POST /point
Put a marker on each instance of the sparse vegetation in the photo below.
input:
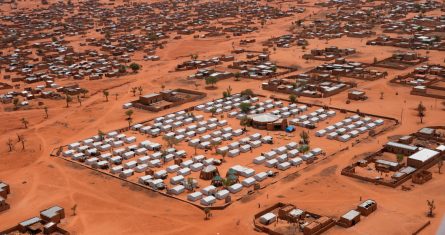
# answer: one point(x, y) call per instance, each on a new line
point(293, 99)
point(431, 208)
point(211, 81)
point(247, 93)
point(10, 144)
point(68, 100)
point(129, 114)
point(421, 111)
point(106, 93)
point(245, 107)
point(135, 67)
point(25, 122)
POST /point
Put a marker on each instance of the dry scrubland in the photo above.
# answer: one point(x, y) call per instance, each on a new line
point(106, 205)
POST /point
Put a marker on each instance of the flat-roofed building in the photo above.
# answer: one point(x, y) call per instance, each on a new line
point(422, 157)
point(399, 148)
point(349, 219)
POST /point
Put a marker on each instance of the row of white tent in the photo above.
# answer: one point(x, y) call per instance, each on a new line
point(244, 145)
point(313, 117)
point(349, 128)
point(225, 104)
point(206, 141)
point(201, 128)
point(286, 156)
point(166, 125)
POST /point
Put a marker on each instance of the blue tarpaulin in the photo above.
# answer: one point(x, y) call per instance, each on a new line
point(290, 129)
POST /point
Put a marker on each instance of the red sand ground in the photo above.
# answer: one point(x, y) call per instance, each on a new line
point(108, 206)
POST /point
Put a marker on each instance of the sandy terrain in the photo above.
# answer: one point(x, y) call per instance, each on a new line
point(108, 206)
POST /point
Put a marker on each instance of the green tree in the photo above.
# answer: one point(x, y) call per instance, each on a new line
point(400, 158)
point(303, 148)
point(129, 114)
point(213, 111)
point(211, 81)
point(247, 93)
point(245, 107)
point(135, 67)
point(293, 98)
point(122, 69)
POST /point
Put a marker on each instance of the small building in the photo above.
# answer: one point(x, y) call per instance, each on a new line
point(385, 165)
point(422, 177)
point(422, 158)
point(367, 207)
point(266, 121)
point(4, 190)
point(349, 219)
point(53, 214)
point(268, 218)
point(3, 205)
point(399, 148)
point(357, 95)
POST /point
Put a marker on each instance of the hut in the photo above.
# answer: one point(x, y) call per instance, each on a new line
point(367, 207)
point(209, 172)
point(349, 219)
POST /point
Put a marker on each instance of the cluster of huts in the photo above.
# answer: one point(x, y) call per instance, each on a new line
point(47, 223)
point(165, 99)
point(355, 19)
point(344, 68)
point(412, 161)
point(353, 217)
point(200, 64)
point(426, 80)
point(43, 50)
point(416, 41)
point(418, 24)
point(308, 223)
point(210, 73)
point(401, 60)
point(309, 85)
point(329, 53)
point(286, 41)
point(331, 29)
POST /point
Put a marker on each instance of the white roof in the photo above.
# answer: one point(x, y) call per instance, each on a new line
point(351, 215)
point(424, 155)
point(264, 117)
point(441, 148)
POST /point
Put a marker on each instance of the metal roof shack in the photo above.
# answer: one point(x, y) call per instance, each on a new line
point(53, 214)
point(349, 219)
point(397, 148)
point(422, 157)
